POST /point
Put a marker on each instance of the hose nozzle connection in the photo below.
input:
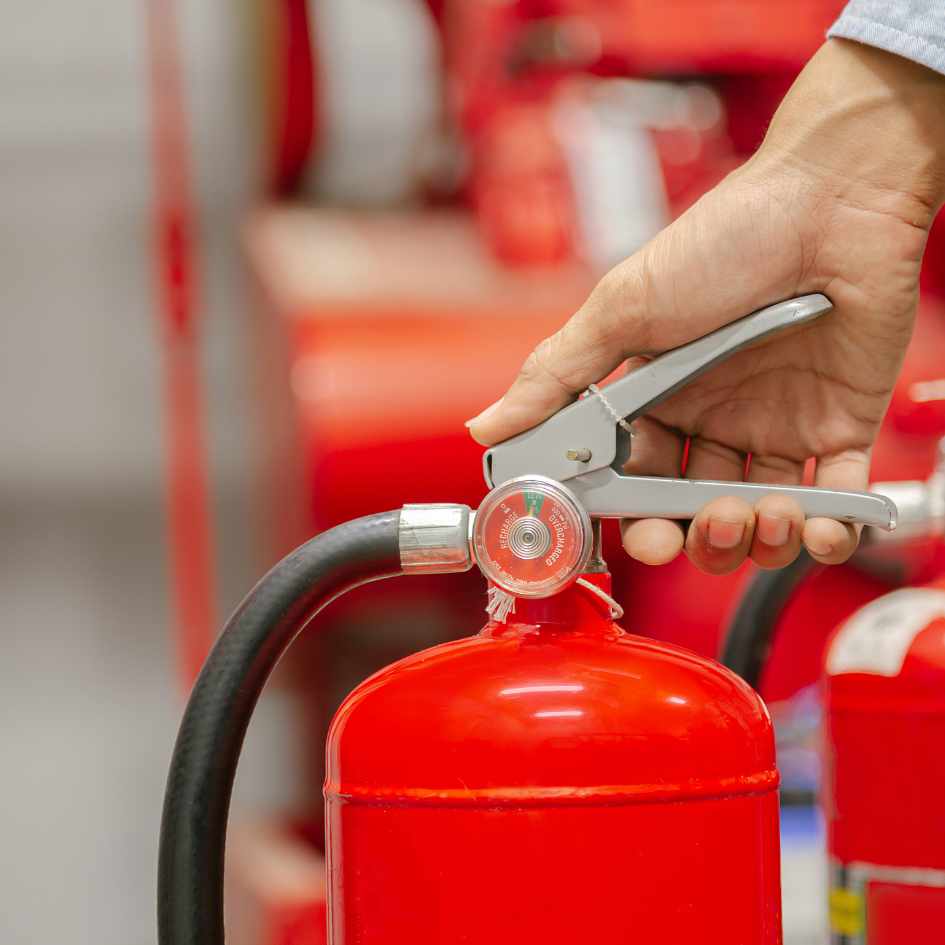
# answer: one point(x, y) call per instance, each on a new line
point(435, 538)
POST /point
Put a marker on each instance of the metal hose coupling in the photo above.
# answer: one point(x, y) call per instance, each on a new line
point(435, 538)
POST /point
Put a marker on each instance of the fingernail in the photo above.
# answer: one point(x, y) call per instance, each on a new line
point(725, 534)
point(773, 531)
point(822, 549)
point(491, 409)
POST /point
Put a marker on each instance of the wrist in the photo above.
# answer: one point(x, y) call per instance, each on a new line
point(866, 127)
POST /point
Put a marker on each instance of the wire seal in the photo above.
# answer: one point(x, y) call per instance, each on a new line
point(609, 407)
point(616, 611)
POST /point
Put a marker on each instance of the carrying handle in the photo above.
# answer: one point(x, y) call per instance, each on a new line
point(606, 494)
point(582, 437)
point(654, 382)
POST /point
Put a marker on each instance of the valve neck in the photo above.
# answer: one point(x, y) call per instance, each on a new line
point(575, 609)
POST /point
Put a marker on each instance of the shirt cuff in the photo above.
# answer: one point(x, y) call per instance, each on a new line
point(863, 30)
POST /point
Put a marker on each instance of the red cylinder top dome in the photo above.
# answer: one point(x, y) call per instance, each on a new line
point(520, 712)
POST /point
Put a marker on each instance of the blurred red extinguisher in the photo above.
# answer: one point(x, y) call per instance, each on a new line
point(883, 790)
point(884, 760)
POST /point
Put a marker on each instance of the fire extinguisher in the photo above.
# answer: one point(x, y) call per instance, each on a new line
point(883, 791)
point(553, 779)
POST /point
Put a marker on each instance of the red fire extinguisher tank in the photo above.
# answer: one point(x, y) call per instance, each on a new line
point(885, 771)
point(553, 780)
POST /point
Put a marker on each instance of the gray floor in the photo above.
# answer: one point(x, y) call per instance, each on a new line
point(87, 695)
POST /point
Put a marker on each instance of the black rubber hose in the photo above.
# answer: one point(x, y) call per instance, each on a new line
point(203, 766)
point(751, 630)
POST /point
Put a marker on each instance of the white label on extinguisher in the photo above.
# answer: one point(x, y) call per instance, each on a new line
point(877, 638)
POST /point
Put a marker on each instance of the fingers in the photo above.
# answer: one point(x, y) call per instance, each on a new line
point(779, 524)
point(657, 451)
point(779, 521)
point(827, 540)
point(652, 540)
point(728, 530)
point(720, 536)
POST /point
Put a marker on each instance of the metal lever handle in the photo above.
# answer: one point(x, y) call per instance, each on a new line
point(605, 494)
point(652, 383)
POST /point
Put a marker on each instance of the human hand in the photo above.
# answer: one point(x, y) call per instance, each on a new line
point(838, 200)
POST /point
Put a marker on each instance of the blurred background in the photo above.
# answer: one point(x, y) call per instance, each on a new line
point(259, 262)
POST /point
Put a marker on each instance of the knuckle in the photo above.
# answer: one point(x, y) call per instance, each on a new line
point(773, 469)
point(541, 365)
point(616, 311)
point(780, 506)
point(730, 507)
point(531, 368)
point(611, 287)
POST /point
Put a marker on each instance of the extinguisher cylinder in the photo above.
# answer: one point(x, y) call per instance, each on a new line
point(553, 779)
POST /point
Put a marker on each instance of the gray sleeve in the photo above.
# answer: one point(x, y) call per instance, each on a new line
point(914, 29)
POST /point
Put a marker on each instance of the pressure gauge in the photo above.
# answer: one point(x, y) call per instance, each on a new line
point(532, 537)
